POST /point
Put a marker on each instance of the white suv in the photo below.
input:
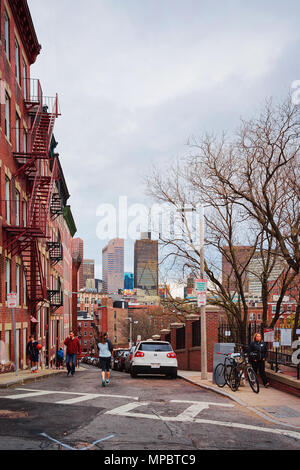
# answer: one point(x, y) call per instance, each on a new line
point(154, 357)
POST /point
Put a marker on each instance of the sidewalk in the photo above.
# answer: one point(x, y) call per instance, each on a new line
point(270, 403)
point(10, 379)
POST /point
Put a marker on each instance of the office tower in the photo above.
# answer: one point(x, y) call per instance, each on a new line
point(128, 281)
point(146, 264)
point(78, 248)
point(88, 270)
point(113, 266)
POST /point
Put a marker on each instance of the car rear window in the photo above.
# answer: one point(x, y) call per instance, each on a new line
point(155, 347)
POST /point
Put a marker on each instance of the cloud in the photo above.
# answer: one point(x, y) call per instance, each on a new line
point(137, 79)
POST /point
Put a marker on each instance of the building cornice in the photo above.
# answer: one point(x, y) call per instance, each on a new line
point(25, 28)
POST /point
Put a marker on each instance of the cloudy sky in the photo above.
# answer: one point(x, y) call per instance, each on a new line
point(137, 78)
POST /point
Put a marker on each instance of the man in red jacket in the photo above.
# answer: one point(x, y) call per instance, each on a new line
point(73, 348)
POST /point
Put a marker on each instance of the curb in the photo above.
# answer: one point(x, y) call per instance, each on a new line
point(240, 402)
point(23, 380)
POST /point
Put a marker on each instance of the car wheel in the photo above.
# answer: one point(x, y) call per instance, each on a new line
point(173, 375)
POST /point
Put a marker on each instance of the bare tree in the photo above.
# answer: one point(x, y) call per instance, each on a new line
point(251, 184)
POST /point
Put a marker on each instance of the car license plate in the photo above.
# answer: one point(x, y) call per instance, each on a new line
point(155, 366)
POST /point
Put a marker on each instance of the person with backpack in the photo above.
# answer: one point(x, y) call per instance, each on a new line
point(105, 348)
point(60, 358)
point(257, 357)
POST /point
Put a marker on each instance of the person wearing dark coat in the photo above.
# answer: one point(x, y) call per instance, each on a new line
point(257, 356)
point(32, 354)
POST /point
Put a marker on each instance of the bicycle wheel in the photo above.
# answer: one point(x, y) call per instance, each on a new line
point(234, 379)
point(219, 375)
point(227, 370)
point(252, 379)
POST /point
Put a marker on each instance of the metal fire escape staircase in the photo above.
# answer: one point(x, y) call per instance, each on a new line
point(23, 240)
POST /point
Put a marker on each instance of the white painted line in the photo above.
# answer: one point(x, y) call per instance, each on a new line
point(71, 401)
point(28, 395)
point(188, 417)
point(206, 402)
point(83, 396)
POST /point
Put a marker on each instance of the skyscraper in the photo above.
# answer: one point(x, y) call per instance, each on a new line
point(88, 270)
point(113, 266)
point(78, 248)
point(146, 264)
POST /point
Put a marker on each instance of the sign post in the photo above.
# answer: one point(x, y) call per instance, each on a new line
point(12, 303)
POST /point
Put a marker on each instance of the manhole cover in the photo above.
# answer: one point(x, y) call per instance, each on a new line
point(13, 414)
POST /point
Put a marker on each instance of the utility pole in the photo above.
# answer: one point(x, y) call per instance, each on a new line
point(203, 307)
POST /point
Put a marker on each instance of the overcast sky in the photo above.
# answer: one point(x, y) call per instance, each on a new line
point(137, 78)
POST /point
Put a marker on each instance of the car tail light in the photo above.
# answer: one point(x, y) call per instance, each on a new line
point(139, 354)
point(171, 355)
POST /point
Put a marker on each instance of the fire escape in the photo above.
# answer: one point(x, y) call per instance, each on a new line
point(23, 238)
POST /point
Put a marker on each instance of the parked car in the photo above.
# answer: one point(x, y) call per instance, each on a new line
point(154, 357)
point(128, 359)
point(122, 359)
point(115, 358)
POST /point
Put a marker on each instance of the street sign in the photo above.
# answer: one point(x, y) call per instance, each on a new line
point(201, 298)
point(201, 285)
point(12, 300)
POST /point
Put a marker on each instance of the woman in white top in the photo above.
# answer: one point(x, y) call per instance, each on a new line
point(105, 353)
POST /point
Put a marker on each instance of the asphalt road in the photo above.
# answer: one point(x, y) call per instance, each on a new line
point(146, 413)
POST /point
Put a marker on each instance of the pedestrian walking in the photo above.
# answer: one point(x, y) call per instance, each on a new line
point(32, 353)
point(60, 358)
point(257, 356)
point(105, 352)
point(73, 348)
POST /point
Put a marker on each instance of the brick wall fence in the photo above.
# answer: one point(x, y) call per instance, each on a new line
point(189, 356)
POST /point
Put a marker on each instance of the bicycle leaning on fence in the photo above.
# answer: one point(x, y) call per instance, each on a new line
point(222, 371)
point(244, 369)
point(231, 371)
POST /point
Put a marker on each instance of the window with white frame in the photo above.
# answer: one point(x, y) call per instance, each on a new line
point(24, 289)
point(17, 208)
point(17, 61)
point(18, 284)
point(7, 116)
point(7, 199)
point(6, 34)
point(7, 277)
point(24, 80)
point(18, 125)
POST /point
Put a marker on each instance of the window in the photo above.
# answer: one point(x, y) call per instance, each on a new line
point(24, 289)
point(7, 277)
point(155, 347)
point(24, 80)
point(17, 208)
point(18, 121)
point(6, 35)
point(18, 284)
point(17, 60)
point(7, 116)
point(7, 200)
point(24, 141)
point(24, 213)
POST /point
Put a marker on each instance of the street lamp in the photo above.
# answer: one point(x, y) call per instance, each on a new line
point(202, 307)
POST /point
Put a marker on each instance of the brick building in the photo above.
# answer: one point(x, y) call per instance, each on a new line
point(36, 224)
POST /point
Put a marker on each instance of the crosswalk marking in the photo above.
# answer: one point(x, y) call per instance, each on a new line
point(80, 396)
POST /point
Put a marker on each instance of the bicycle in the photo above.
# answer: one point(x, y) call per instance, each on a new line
point(239, 369)
point(222, 371)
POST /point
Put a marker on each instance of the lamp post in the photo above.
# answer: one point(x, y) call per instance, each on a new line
point(203, 332)
point(202, 307)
